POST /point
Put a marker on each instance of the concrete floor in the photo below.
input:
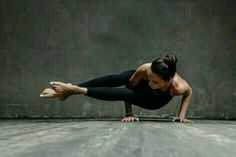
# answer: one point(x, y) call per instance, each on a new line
point(96, 138)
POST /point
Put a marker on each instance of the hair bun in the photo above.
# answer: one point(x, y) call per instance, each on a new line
point(165, 66)
point(170, 59)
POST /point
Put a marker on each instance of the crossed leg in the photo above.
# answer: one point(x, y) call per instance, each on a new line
point(62, 90)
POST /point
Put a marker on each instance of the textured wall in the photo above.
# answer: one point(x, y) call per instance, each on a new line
point(72, 41)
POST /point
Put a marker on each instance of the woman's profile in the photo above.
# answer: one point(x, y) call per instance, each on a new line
point(150, 86)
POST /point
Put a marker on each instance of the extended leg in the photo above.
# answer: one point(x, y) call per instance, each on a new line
point(113, 80)
point(141, 98)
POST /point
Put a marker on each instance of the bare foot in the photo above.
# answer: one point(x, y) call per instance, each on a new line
point(59, 90)
point(50, 93)
point(63, 88)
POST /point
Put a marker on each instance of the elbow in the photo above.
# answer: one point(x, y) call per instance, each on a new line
point(188, 92)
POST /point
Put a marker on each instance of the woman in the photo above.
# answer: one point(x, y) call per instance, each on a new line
point(150, 86)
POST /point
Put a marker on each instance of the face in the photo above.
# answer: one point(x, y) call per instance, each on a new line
point(155, 81)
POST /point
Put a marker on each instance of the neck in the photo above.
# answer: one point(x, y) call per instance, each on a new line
point(165, 87)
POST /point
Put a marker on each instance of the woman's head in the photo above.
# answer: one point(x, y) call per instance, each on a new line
point(162, 70)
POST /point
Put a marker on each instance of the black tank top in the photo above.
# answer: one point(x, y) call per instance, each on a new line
point(164, 96)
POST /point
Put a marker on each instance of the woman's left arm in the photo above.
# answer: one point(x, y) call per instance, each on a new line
point(187, 96)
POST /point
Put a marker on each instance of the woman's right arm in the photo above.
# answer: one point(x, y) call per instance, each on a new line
point(139, 74)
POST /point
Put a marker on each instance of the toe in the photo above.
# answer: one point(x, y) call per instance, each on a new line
point(48, 92)
point(53, 86)
point(55, 83)
point(44, 95)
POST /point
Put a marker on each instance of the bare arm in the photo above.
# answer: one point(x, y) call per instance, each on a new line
point(187, 96)
point(128, 109)
point(186, 100)
point(134, 80)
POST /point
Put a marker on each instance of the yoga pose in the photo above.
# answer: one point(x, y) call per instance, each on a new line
point(150, 86)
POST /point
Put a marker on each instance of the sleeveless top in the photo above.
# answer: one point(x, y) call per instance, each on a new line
point(165, 97)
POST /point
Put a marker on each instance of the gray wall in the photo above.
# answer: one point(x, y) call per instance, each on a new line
point(73, 41)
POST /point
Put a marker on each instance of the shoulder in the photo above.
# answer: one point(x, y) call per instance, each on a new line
point(180, 86)
point(142, 69)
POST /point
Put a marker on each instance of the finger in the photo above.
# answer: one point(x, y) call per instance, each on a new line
point(190, 121)
point(186, 121)
point(174, 119)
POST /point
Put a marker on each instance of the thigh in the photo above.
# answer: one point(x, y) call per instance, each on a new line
point(145, 98)
point(143, 84)
point(111, 80)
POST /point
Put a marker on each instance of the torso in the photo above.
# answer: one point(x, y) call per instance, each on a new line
point(177, 82)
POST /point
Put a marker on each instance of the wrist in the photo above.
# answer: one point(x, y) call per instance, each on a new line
point(129, 114)
point(182, 114)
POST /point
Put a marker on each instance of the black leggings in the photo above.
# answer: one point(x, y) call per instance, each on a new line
point(107, 88)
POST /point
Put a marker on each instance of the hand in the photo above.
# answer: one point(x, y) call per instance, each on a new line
point(130, 119)
point(181, 119)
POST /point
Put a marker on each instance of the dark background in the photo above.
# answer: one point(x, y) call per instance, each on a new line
point(73, 41)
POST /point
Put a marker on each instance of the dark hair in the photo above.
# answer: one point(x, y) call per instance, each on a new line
point(165, 66)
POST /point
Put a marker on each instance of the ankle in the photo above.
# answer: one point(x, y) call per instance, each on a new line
point(76, 90)
point(79, 90)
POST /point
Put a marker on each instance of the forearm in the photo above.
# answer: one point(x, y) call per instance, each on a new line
point(128, 106)
point(134, 80)
point(128, 109)
point(186, 100)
